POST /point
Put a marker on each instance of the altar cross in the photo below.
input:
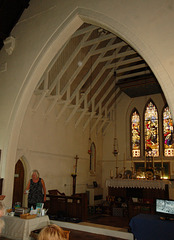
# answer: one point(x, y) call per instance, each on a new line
point(76, 158)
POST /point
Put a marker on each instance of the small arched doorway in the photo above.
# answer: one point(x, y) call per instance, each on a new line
point(18, 182)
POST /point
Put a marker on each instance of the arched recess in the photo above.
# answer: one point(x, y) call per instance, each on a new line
point(21, 176)
point(93, 159)
point(18, 188)
point(48, 52)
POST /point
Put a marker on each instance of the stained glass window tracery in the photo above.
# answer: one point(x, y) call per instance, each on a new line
point(135, 128)
point(168, 133)
point(151, 130)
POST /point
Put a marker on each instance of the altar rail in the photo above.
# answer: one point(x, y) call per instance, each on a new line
point(68, 206)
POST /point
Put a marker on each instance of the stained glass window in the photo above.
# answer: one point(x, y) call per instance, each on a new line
point(151, 130)
point(168, 133)
point(135, 127)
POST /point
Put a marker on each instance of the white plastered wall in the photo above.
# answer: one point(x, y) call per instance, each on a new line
point(51, 146)
point(45, 26)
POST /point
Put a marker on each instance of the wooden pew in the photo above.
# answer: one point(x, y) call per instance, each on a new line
point(75, 206)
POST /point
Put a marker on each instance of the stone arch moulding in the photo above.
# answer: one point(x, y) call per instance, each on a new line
point(56, 41)
point(40, 64)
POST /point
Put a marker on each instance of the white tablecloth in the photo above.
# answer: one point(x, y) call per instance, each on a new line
point(20, 229)
point(133, 183)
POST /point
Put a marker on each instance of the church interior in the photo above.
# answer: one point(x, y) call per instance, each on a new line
point(90, 106)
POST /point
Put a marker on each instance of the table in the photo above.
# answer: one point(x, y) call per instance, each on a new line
point(20, 229)
point(151, 227)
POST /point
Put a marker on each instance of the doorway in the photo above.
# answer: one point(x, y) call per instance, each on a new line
point(18, 183)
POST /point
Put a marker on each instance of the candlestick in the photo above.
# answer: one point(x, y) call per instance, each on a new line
point(124, 171)
point(116, 172)
point(124, 161)
point(131, 162)
point(132, 165)
point(132, 171)
point(111, 173)
point(116, 159)
point(162, 162)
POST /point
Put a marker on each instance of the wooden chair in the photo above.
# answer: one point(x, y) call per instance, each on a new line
point(67, 234)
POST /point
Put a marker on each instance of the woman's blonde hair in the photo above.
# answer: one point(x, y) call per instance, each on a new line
point(52, 232)
point(35, 171)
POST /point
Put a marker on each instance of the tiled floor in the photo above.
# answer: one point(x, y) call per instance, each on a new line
point(121, 222)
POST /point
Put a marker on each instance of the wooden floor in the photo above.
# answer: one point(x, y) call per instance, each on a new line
point(121, 222)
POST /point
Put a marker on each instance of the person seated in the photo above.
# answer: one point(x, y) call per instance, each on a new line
point(52, 232)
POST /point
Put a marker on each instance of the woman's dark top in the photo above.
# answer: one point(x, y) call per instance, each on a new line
point(35, 192)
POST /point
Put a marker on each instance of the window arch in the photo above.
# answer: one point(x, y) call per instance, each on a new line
point(135, 133)
point(151, 131)
point(168, 133)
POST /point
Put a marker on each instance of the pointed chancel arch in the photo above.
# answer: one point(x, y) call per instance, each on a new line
point(151, 129)
point(135, 133)
point(47, 45)
point(168, 133)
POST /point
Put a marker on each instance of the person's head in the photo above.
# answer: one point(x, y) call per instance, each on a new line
point(35, 174)
point(52, 232)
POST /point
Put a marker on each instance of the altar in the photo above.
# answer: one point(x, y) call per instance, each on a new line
point(140, 195)
point(137, 183)
point(145, 189)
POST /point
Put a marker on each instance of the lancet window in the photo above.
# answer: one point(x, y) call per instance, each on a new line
point(168, 133)
point(135, 131)
point(151, 130)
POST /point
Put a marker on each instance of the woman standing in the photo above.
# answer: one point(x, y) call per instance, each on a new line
point(37, 190)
